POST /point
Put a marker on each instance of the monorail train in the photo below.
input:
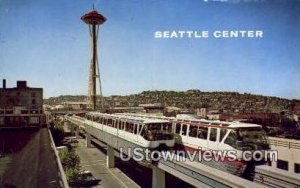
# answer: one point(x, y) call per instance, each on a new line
point(207, 135)
point(220, 135)
point(141, 132)
point(236, 137)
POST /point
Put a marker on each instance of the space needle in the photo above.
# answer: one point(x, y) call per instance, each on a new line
point(94, 20)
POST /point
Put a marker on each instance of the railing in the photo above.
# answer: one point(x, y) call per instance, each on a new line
point(76, 120)
point(281, 142)
point(204, 176)
point(276, 178)
point(64, 182)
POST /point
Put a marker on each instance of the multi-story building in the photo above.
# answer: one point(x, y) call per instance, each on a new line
point(76, 105)
point(21, 106)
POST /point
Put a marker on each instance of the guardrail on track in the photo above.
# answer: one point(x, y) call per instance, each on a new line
point(293, 144)
point(276, 178)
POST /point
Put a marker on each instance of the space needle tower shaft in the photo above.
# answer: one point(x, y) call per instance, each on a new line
point(94, 19)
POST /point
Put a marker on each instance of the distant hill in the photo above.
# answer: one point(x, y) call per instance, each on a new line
point(224, 102)
point(63, 98)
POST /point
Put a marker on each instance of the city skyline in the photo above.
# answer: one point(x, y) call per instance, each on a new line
point(39, 41)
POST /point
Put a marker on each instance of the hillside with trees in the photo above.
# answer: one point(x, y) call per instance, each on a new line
point(222, 102)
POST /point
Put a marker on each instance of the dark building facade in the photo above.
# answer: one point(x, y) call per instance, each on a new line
point(270, 119)
point(21, 106)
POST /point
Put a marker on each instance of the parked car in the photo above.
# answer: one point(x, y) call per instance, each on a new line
point(86, 179)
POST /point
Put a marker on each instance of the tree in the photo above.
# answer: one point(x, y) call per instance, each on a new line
point(73, 175)
point(71, 164)
point(69, 159)
point(58, 133)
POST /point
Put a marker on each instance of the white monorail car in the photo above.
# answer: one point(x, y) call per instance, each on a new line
point(140, 131)
point(202, 134)
point(243, 145)
point(221, 136)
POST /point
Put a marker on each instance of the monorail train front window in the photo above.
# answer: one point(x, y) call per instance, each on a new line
point(88, 117)
point(154, 126)
point(160, 126)
point(157, 131)
point(250, 138)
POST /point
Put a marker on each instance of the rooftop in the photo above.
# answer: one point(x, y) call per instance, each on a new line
point(31, 159)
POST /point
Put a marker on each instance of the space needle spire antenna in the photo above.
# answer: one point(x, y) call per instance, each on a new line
point(94, 20)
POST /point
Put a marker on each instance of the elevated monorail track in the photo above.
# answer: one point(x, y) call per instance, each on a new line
point(194, 173)
point(266, 175)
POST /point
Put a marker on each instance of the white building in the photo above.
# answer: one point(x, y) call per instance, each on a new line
point(288, 154)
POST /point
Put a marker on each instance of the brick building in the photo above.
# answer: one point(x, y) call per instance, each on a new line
point(270, 119)
point(21, 106)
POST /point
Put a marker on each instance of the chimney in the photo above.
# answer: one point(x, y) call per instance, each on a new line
point(21, 84)
point(4, 83)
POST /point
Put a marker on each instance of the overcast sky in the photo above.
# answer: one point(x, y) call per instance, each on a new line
point(46, 43)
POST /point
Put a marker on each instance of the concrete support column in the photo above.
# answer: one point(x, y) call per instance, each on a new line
point(71, 127)
point(274, 163)
point(66, 123)
point(88, 140)
point(291, 167)
point(158, 178)
point(77, 132)
point(110, 157)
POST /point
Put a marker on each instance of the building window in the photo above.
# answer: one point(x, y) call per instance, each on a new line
point(34, 120)
point(32, 94)
point(1, 120)
point(284, 165)
point(297, 168)
point(33, 101)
